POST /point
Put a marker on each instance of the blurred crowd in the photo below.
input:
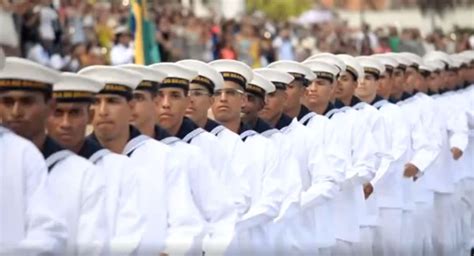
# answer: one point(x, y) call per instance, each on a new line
point(77, 33)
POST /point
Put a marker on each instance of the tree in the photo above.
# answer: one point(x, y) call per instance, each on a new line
point(279, 9)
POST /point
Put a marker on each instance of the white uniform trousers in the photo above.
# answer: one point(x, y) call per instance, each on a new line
point(423, 219)
point(343, 248)
point(407, 232)
point(389, 232)
point(444, 225)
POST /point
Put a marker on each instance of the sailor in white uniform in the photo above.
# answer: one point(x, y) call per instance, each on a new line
point(28, 226)
point(266, 188)
point(78, 189)
point(302, 233)
point(67, 125)
point(164, 198)
point(208, 193)
point(388, 184)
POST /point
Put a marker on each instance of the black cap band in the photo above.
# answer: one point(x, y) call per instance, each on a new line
point(234, 77)
point(147, 85)
point(175, 82)
point(73, 96)
point(26, 85)
point(118, 89)
point(325, 75)
point(256, 90)
point(206, 82)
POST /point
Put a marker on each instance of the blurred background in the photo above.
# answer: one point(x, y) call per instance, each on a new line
point(69, 34)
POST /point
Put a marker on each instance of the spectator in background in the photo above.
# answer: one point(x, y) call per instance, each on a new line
point(366, 41)
point(41, 52)
point(122, 52)
point(105, 33)
point(248, 44)
point(163, 37)
point(284, 44)
point(393, 39)
point(226, 47)
point(8, 35)
point(29, 27)
point(49, 25)
point(411, 42)
point(268, 52)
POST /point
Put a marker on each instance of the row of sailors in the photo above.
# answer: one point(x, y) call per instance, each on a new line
point(337, 155)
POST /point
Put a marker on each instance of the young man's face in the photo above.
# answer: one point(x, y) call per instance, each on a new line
point(228, 102)
point(112, 114)
point(433, 81)
point(385, 84)
point(143, 111)
point(295, 92)
point(398, 79)
point(367, 87)
point(274, 105)
point(451, 78)
point(171, 107)
point(68, 122)
point(412, 78)
point(25, 112)
point(200, 100)
point(319, 92)
point(251, 107)
point(345, 86)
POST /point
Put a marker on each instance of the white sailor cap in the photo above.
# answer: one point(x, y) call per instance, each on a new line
point(121, 30)
point(469, 54)
point(296, 69)
point(462, 60)
point(330, 59)
point(371, 65)
point(2, 59)
point(76, 88)
point(177, 76)
point(414, 59)
point(439, 55)
point(117, 80)
point(279, 78)
point(23, 74)
point(232, 70)
point(352, 66)
point(428, 67)
point(207, 75)
point(151, 78)
point(389, 62)
point(323, 70)
point(260, 86)
point(403, 62)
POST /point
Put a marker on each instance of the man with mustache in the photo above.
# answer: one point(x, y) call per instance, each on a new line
point(77, 186)
point(23, 173)
point(67, 124)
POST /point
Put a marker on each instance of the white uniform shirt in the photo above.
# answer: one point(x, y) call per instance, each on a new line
point(80, 190)
point(125, 224)
point(29, 222)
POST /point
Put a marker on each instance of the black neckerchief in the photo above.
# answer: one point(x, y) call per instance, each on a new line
point(283, 122)
point(211, 125)
point(243, 128)
point(261, 126)
point(329, 107)
point(431, 92)
point(50, 147)
point(89, 148)
point(186, 127)
point(354, 101)
point(405, 95)
point(376, 99)
point(161, 133)
point(303, 112)
point(338, 104)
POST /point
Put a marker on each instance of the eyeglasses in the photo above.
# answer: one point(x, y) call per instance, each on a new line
point(229, 92)
point(197, 93)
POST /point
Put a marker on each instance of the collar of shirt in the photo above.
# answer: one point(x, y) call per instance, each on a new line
point(303, 112)
point(92, 150)
point(134, 139)
point(283, 122)
point(53, 153)
point(245, 131)
point(161, 133)
point(261, 126)
point(188, 130)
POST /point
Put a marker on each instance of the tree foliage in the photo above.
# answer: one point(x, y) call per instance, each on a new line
point(279, 9)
